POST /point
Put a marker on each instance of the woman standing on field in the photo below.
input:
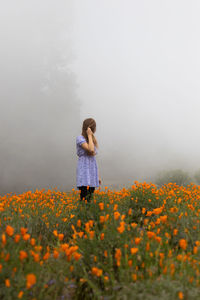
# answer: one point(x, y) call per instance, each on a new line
point(87, 175)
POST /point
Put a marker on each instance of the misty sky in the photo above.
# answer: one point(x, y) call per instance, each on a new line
point(138, 66)
point(134, 66)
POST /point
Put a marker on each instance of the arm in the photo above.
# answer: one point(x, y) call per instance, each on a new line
point(89, 147)
point(91, 144)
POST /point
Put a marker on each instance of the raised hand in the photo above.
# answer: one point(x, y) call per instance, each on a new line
point(89, 131)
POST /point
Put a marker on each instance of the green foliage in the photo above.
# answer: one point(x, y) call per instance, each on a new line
point(197, 176)
point(156, 290)
point(177, 176)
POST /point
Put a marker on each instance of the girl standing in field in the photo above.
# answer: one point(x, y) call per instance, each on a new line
point(87, 175)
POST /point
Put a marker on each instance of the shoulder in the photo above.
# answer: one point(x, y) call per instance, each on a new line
point(80, 139)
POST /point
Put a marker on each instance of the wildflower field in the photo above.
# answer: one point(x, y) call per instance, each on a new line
point(136, 243)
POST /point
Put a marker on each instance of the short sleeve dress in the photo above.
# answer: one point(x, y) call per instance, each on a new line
point(87, 169)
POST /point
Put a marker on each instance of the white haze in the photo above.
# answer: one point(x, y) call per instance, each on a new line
point(139, 71)
point(133, 66)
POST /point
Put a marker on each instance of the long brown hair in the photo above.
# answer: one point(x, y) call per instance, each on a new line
point(92, 124)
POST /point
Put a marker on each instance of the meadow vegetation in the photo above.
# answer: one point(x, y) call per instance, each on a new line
point(142, 242)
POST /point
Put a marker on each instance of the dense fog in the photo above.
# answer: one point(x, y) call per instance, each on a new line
point(133, 66)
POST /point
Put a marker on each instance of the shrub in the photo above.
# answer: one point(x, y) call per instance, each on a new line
point(177, 176)
point(197, 176)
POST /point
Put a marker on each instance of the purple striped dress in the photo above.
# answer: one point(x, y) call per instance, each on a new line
point(87, 169)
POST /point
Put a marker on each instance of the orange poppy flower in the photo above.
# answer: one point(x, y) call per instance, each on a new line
point(7, 282)
point(97, 272)
point(22, 255)
point(101, 206)
point(30, 280)
point(9, 230)
point(183, 244)
point(134, 250)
